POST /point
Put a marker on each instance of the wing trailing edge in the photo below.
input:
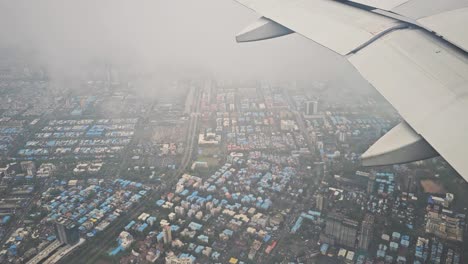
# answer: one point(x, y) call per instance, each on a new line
point(421, 69)
point(262, 29)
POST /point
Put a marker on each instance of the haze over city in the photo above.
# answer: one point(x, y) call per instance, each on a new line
point(219, 131)
point(171, 39)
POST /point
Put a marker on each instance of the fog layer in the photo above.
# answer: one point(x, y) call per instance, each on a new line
point(173, 38)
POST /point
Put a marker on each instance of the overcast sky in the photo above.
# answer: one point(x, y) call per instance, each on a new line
point(165, 35)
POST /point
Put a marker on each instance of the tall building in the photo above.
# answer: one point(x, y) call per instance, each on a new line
point(342, 136)
point(167, 234)
point(179, 210)
point(320, 202)
point(371, 183)
point(311, 108)
point(341, 230)
point(28, 167)
point(319, 171)
point(67, 232)
point(367, 231)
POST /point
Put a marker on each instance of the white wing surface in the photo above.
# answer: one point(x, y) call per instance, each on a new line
point(416, 58)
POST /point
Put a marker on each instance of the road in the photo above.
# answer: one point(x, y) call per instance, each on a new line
point(45, 252)
point(89, 251)
point(300, 121)
point(191, 135)
point(62, 252)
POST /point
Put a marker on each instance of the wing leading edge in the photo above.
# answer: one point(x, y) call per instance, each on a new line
point(422, 75)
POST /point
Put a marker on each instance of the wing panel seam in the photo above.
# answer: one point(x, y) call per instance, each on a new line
point(378, 36)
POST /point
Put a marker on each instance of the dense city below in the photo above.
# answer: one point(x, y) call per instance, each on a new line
point(216, 172)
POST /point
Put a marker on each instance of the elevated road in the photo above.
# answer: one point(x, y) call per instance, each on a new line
point(191, 137)
point(45, 252)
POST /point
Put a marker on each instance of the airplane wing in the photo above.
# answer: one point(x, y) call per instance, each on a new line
point(414, 52)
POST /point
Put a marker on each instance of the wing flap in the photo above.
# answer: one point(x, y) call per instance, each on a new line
point(426, 80)
point(422, 76)
point(400, 145)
